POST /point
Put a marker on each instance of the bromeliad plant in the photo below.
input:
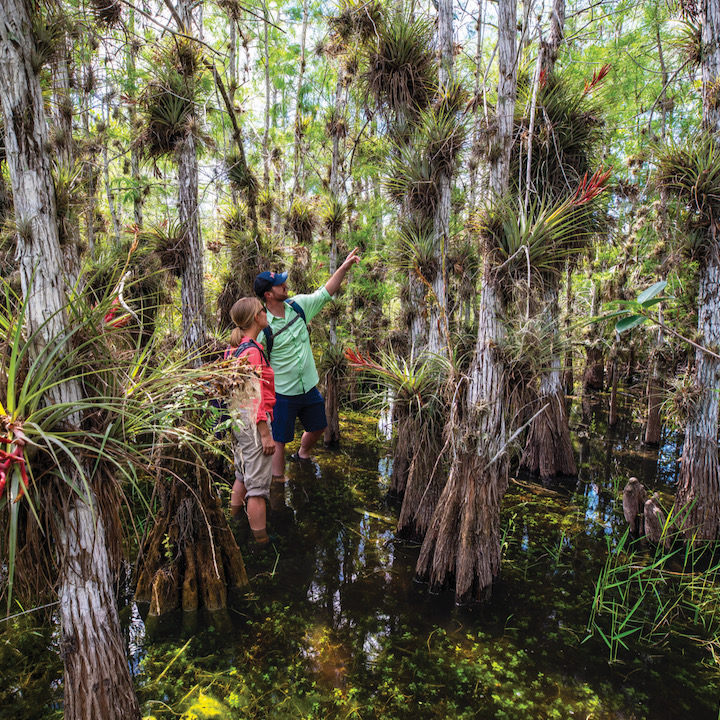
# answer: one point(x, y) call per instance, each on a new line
point(96, 447)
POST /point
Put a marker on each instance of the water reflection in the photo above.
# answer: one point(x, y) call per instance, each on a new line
point(337, 605)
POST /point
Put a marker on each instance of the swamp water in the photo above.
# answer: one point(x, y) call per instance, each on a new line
point(334, 626)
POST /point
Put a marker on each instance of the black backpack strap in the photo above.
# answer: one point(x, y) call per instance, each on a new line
point(270, 336)
point(296, 307)
point(242, 347)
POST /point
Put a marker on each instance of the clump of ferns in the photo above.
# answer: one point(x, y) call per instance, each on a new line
point(356, 20)
point(168, 103)
point(400, 74)
point(567, 132)
point(107, 12)
point(416, 253)
point(334, 215)
point(301, 222)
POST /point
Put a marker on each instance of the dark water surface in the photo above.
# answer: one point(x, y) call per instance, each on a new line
point(334, 625)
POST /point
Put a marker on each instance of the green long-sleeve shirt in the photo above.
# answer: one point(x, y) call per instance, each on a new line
point(291, 357)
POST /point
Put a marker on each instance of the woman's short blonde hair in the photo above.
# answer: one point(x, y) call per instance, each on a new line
point(243, 314)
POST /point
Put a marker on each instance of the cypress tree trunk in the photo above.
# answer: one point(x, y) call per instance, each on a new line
point(698, 492)
point(97, 677)
point(438, 331)
point(463, 540)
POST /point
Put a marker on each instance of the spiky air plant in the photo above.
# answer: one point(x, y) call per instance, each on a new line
point(97, 448)
point(168, 242)
point(417, 391)
point(301, 222)
point(401, 72)
point(239, 175)
point(335, 124)
point(356, 20)
point(568, 127)
point(415, 250)
point(48, 35)
point(334, 215)
point(146, 291)
point(690, 171)
point(168, 103)
point(107, 12)
point(689, 44)
point(69, 188)
point(249, 255)
point(266, 201)
point(411, 181)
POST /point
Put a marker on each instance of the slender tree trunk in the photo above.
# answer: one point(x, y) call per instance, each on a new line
point(192, 291)
point(134, 150)
point(463, 540)
point(710, 32)
point(613, 382)
point(337, 196)
point(299, 134)
point(97, 683)
point(106, 170)
point(568, 377)
point(97, 677)
point(698, 492)
point(653, 429)
point(438, 329)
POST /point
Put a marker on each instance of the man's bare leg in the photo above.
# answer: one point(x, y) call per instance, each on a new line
point(308, 441)
point(278, 462)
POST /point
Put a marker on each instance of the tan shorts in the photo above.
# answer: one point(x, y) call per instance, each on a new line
point(252, 467)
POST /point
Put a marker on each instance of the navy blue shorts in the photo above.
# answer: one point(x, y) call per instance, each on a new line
point(310, 408)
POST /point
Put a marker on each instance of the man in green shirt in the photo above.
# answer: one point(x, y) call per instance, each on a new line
point(292, 360)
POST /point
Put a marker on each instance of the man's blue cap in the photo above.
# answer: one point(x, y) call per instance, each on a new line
point(265, 280)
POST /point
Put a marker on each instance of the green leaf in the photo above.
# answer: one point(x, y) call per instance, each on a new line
point(652, 291)
point(630, 322)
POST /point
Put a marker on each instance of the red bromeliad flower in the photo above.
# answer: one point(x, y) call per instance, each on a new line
point(359, 363)
point(597, 78)
point(590, 188)
point(542, 79)
point(8, 459)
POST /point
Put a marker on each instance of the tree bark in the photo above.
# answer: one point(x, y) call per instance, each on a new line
point(192, 291)
point(438, 329)
point(710, 35)
point(97, 678)
point(463, 540)
point(698, 496)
